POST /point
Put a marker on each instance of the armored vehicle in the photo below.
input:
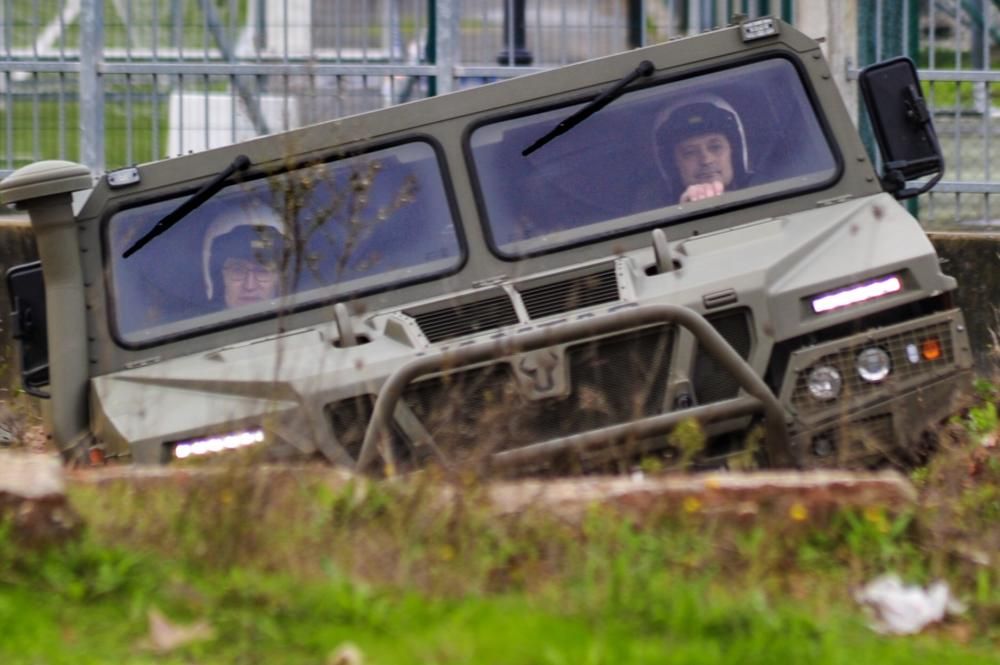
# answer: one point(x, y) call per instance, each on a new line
point(554, 270)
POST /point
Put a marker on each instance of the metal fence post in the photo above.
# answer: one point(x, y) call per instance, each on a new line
point(446, 44)
point(636, 24)
point(91, 87)
point(514, 51)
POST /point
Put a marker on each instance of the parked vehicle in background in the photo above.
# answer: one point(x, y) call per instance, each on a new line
point(547, 272)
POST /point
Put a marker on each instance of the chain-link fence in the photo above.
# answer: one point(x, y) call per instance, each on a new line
point(955, 44)
point(110, 83)
point(115, 82)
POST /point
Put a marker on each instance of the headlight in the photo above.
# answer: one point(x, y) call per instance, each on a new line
point(873, 364)
point(857, 293)
point(824, 383)
point(217, 444)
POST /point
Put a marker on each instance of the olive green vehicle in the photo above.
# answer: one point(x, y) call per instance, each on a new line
point(514, 274)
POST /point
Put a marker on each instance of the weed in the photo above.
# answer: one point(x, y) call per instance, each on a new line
point(412, 573)
point(982, 421)
point(986, 390)
point(78, 570)
point(689, 439)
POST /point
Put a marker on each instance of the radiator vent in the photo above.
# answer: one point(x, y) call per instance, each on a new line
point(459, 319)
point(565, 295)
point(613, 380)
point(712, 382)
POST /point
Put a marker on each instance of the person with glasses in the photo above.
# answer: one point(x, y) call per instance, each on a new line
point(243, 251)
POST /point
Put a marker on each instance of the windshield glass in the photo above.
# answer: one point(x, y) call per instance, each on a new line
point(654, 154)
point(312, 235)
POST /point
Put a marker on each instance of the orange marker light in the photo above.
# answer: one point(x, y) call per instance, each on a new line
point(931, 348)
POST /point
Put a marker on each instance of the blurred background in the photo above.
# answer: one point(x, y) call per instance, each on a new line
point(111, 83)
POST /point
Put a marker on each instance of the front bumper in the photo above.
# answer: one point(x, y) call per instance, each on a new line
point(885, 419)
point(516, 350)
point(895, 430)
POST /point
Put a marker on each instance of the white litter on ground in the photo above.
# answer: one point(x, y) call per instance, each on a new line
point(899, 609)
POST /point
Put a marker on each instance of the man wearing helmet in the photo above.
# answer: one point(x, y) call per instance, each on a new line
point(701, 148)
point(242, 255)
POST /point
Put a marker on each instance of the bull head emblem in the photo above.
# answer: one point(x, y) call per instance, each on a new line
point(540, 373)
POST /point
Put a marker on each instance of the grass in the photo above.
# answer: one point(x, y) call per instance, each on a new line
point(48, 128)
point(89, 604)
point(952, 95)
point(24, 20)
point(277, 620)
point(134, 25)
point(293, 569)
point(136, 30)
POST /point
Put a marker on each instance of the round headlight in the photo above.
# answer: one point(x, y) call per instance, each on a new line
point(824, 383)
point(873, 364)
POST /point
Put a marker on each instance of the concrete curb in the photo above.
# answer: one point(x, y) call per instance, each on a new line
point(792, 494)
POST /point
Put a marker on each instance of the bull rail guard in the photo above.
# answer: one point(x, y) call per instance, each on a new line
point(759, 397)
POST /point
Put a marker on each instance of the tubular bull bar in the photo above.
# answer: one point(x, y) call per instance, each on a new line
point(758, 398)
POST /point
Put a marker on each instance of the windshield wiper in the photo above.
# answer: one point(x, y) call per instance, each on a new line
point(645, 68)
point(241, 163)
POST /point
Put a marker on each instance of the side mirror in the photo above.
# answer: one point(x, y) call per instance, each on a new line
point(26, 288)
point(903, 126)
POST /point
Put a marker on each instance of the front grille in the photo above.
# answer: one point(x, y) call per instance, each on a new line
point(481, 410)
point(903, 370)
point(712, 382)
point(569, 294)
point(855, 441)
point(874, 434)
point(461, 319)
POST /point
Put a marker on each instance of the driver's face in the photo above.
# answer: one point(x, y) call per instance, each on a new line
point(704, 159)
point(246, 282)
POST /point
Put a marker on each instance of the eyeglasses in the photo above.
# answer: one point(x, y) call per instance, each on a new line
point(237, 270)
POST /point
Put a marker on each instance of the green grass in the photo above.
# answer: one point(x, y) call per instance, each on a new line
point(291, 569)
point(27, 20)
point(281, 622)
point(24, 20)
point(193, 34)
point(948, 95)
point(51, 142)
point(90, 605)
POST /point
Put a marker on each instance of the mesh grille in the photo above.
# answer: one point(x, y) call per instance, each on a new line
point(875, 431)
point(613, 380)
point(711, 381)
point(350, 420)
point(576, 293)
point(856, 440)
point(467, 318)
point(902, 369)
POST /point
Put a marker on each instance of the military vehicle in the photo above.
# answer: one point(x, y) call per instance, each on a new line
point(547, 272)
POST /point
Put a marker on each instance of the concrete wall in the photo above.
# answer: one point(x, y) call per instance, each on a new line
point(974, 260)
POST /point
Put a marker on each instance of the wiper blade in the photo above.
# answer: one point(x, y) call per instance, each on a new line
point(241, 163)
point(645, 68)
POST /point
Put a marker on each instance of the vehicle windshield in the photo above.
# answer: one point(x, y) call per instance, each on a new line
point(308, 236)
point(656, 154)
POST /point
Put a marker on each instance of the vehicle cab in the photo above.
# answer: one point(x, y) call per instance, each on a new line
point(554, 269)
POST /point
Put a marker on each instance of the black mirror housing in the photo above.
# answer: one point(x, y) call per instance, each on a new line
point(903, 126)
